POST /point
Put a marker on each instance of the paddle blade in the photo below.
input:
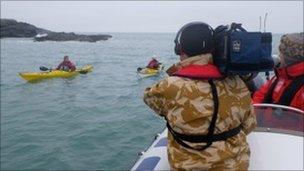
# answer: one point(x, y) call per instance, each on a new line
point(139, 69)
point(83, 72)
point(43, 68)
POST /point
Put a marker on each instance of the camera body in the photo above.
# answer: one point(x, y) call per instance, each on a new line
point(240, 52)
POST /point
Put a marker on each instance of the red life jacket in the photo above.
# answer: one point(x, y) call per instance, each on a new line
point(277, 87)
point(205, 72)
point(66, 65)
point(276, 91)
point(153, 64)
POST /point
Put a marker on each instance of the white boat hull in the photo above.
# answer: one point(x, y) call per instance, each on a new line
point(269, 151)
point(271, 148)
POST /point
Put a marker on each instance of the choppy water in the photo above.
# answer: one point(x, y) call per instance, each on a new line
point(94, 121)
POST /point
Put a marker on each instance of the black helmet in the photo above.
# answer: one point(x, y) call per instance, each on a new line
point(194, 38)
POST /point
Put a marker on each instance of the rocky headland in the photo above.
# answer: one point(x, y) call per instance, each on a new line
point(62, 36)
point(13, 28)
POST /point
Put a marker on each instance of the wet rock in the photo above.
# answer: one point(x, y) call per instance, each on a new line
point(62, 36)
point(13, 28)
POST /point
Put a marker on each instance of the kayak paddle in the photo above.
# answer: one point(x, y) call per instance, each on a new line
point(43, 68)
point(139, 69)
point(83, 72)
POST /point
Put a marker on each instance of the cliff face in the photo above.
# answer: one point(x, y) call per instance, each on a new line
point(12, 28)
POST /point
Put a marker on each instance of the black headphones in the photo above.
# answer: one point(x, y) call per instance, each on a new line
point(178, 48)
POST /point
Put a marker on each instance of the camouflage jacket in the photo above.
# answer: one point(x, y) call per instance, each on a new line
point(187, 104)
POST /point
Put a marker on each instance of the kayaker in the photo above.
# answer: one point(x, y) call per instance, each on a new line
point(197, 101)
point(66, 65)
point(153, 64)
point(287, 86)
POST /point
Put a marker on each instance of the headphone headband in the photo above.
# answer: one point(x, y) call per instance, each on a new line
point(179, 33)
point(176, 40)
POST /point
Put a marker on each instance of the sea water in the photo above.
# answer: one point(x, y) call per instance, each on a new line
point(96, 121)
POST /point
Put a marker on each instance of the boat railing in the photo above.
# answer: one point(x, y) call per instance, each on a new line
point(279, 119)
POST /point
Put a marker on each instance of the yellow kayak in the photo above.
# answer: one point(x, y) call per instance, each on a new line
point(147, 72)
point(35, 76)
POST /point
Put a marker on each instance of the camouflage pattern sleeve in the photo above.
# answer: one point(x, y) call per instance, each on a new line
point(154, 97)
point(249, 121)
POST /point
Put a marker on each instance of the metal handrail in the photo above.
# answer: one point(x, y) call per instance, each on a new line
point(278, 106)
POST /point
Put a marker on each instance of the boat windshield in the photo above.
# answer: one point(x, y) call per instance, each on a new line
point(278, 117)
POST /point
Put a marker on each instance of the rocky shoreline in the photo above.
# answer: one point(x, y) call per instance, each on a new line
point(62, 36)
point(13, 28)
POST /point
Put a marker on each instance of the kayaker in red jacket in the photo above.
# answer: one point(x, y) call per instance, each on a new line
point(153, 64)
point(66, 65)
point(287, 86)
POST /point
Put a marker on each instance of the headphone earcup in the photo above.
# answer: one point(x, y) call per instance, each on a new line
point(177, 48)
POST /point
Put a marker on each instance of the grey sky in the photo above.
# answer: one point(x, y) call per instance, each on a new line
point(149, 16)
